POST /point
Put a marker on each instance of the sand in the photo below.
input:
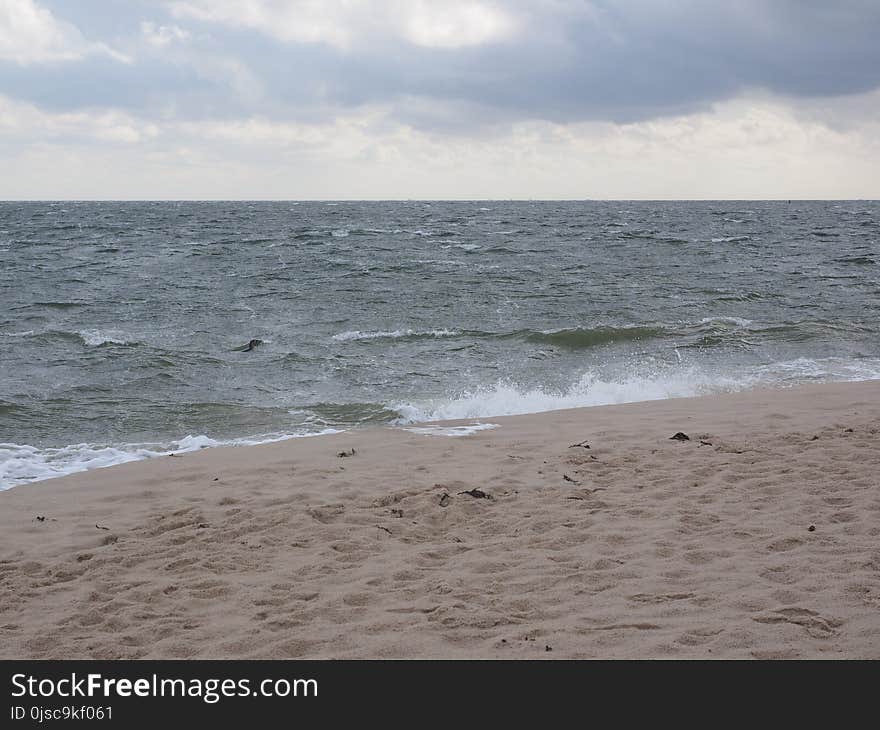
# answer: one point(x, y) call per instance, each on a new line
point(762, 542)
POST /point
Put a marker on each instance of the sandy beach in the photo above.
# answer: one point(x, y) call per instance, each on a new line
point(759, 537)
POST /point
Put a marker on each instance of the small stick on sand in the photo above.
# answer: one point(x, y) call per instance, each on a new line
point(477, 493)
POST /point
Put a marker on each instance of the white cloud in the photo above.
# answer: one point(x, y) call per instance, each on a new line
point(30, 34)
point(348, 23)
point(229, 72)
point(163, 35)
point(745, 148)
point(25, 123)
point(455, 24)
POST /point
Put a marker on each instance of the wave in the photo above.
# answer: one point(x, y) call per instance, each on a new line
point(6, 407)
point(22, 464)
point(509, 399)
point(503, 249)
point(591, 389)
point(96, 338)
point(91, 338)
point(56, 305)
point(393, 334)
point(750, 296)
point(572, 338)
point(348, 414)
point(823, 370)
point(437, 233)
point(725, 321)
point(581, 338)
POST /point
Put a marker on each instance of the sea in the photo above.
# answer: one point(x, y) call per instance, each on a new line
point(122, 324)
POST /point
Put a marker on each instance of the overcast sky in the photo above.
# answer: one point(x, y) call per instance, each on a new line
point(317, 99)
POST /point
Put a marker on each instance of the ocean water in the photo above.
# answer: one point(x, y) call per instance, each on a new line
point(119, 322)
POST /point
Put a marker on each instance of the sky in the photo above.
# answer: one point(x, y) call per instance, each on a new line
point(451, 99)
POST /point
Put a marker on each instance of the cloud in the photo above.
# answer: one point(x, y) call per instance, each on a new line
point(30, 34)
point(25, 123)
point(454, 24)
point(481, 98)
point(356, 23)
point(163, 35)
point(461, 66)
point(557, 60)
point(743, 148)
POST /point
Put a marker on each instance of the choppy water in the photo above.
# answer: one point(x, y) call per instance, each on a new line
point(118, 321)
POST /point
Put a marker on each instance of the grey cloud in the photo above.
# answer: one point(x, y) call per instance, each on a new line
point(616, 61)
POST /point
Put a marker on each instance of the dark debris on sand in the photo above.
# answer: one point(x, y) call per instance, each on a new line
point(477, 493)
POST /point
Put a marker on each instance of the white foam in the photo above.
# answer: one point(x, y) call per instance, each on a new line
point(93, 338)
point(392, 334)
point(26, 333)
point(506, 399)
point(445, 262)
point(827, 369)
point(731, 239)
point(21, 463)
point(738, 321)
point(452, 431)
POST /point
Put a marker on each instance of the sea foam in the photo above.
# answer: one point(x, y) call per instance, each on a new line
point(22, 463)
point(509, 399)
point(392, 334)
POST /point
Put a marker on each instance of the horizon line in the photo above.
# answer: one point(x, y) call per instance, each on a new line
point(437, 200)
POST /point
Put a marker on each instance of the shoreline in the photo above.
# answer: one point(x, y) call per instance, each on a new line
point(639, 546)
point(148, 454)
